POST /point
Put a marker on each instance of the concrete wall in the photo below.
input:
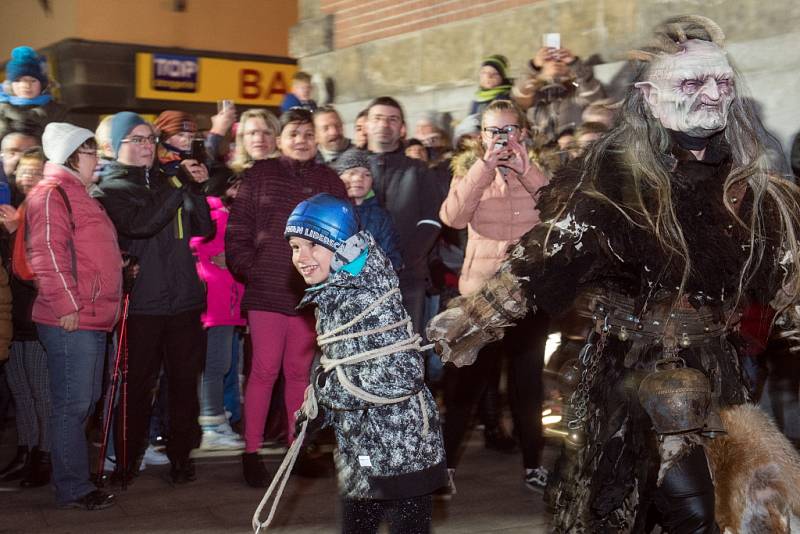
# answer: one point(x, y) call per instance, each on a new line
point(241, 26)
point(436, 68)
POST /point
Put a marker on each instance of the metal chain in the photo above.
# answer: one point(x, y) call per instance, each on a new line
point(589, 359)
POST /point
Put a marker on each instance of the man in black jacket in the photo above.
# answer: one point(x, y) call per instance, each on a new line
point(408, 191)
point(155, 216)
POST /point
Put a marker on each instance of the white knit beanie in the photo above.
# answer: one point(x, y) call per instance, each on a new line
point(61, 139)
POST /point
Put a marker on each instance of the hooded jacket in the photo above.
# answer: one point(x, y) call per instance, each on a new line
point(76, 257)
point(224, 298)
point(155, 220)
point(496, 210)
point(385, 451)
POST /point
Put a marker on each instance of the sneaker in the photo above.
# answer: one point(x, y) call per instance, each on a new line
point(536, 479)
point(153, 456)
point(94, 500)
point(221, 437)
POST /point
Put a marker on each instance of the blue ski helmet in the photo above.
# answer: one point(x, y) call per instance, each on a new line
point(323, 219)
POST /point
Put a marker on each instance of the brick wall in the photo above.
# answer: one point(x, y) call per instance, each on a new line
point(360, 21)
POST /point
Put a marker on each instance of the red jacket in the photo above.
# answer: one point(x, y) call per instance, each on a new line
point(78, 270)
point(255, 248)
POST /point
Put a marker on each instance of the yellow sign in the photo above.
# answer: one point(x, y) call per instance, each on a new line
point(203, 79)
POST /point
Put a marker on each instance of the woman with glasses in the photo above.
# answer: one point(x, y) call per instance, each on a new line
point(493, 195)
point(72, 249)
point(156, 215)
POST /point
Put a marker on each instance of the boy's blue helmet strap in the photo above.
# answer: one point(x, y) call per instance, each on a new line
point(324, 219)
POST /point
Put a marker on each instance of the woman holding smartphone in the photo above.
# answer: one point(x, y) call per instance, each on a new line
point(493, 195)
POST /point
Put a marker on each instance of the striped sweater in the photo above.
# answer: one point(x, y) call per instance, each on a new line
point(255, 249)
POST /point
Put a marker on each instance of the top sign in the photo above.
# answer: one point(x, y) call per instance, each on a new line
point(174, 73)
point(203, 79)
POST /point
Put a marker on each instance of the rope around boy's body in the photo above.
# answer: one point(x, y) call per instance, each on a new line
point(311, 410)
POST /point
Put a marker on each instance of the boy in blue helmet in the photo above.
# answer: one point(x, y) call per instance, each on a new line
point(370, 384)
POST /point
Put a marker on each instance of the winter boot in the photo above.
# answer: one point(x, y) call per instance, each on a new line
point(17, 467)
point(255, 474)
point(39, 471)
point(182, 471)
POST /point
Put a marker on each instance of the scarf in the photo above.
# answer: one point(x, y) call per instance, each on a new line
point(487, 95)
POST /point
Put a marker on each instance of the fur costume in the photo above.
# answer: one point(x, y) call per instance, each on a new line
point(589, 244)
point(755, 492)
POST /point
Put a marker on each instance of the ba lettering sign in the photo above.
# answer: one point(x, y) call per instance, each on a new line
point(202, 79)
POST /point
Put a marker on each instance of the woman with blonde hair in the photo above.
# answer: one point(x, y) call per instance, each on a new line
point(256, 139)
point(492, 195)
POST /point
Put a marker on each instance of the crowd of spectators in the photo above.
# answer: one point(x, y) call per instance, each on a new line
point(187, 229)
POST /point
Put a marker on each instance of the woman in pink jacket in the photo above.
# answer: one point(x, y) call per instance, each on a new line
point(493, 195)
point(222, 316)
point(71, 246)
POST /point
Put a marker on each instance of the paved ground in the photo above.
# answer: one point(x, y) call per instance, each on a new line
point(491, 498)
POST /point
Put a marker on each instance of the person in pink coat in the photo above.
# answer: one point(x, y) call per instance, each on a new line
point(221, 317)
point(71, 245)
point(493, 195)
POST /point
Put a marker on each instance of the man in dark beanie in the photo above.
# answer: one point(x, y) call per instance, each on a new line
point(155, 216)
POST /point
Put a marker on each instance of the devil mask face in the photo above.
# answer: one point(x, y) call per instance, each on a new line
point(691, 91)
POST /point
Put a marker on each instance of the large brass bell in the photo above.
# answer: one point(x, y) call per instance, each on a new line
point(675, 397)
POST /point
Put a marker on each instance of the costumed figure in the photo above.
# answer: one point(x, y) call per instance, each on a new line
point(370, 384)
point(676, 222)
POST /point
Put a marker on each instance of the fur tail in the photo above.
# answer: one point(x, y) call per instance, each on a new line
point(757, 474)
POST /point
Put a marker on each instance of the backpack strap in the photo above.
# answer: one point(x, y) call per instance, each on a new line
point(68, 205)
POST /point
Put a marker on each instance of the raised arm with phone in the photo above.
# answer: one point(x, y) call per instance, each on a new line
point(555, 90)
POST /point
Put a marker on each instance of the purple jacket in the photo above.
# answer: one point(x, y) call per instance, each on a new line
point(255, 248)
point(223, 293)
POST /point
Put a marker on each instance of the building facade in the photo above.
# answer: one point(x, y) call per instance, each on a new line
point(149, 56)
point(427, 52)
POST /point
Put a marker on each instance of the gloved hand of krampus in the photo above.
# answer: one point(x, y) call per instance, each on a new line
point(472, 322)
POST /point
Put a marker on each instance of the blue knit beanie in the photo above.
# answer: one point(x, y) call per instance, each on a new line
point(121, 125)
point(26, 62)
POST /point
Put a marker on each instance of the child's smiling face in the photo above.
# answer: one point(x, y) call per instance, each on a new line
point(312, 260)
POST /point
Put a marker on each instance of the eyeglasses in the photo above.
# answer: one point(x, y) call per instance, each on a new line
point(92, 153)
point(507, 129)
point(141, 140)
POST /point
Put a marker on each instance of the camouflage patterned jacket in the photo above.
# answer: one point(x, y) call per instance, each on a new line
point(385, 451)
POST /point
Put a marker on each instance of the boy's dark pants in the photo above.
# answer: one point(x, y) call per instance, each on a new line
point(404, 516)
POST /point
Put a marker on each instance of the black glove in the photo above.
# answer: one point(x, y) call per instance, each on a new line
point(130, 270)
